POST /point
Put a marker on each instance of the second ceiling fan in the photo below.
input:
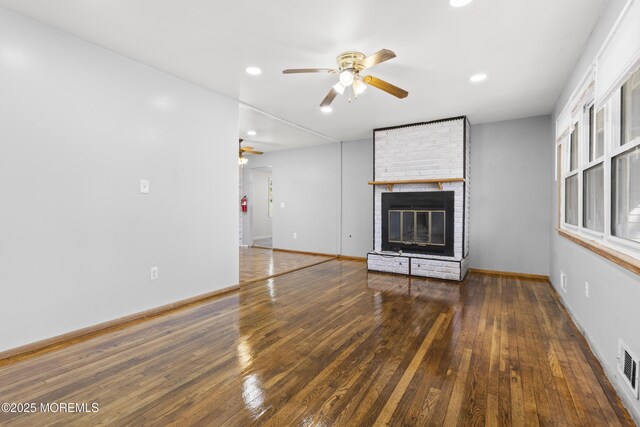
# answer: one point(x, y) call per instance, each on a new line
point(350, 65)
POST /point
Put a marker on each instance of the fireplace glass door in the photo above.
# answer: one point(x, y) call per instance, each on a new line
point(417, 227)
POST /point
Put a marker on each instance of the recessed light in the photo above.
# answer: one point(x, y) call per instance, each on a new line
point(252, 133)
point(326, 109)
point(254, 71)
point(459, 3)
point(478, 78)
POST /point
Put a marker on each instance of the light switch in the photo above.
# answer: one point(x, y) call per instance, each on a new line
point(144, 186)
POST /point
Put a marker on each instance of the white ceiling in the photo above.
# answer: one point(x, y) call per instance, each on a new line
point(527, 48)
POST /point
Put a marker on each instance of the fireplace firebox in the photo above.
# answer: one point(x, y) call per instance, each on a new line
point(418, 222)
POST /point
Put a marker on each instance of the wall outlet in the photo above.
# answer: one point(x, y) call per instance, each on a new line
point(586, 289)
point(295, 235)
point(563, 282)
point(153, 273)
point(144, 186)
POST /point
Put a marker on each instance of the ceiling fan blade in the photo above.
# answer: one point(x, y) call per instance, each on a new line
point(329, 98)
point(378, 57)
point(385, 86)
point(246, 147)
point(308, 70)
point(252, 152)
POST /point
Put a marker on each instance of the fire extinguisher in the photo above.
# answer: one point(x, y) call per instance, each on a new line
point(243, 204)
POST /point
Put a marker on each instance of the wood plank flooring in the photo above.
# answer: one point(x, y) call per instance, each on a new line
point(260, 263)
point(334, 345)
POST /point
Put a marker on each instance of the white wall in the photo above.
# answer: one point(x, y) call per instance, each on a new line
point(510, 195)
point(611, 311)
point(260, 206)
point(307, 181)
point(79, 127)
point(357, 197)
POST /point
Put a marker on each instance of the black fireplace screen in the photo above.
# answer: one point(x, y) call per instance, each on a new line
point(419, 222)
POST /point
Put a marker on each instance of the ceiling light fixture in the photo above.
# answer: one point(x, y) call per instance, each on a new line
point(459, 3)
point(326, 109)
point(359, 87)
point(252, 133)
point(243, 161)
point(254, 71)
point(351, 82)
point(346, 78)
point(477, 78)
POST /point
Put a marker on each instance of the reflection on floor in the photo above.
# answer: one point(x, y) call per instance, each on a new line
point(334, 345)
point(264, 243)
point(257, 263)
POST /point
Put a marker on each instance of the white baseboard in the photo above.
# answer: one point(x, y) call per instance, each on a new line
point(261, 237)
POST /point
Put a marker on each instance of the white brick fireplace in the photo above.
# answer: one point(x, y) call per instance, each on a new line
point(420, 159)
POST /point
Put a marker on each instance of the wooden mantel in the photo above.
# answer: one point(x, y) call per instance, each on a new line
point(438, 181)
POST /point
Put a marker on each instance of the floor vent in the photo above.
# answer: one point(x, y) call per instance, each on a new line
point(628, 365)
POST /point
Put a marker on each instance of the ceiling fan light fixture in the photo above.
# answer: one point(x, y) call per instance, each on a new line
point(459, 3)
point(346, 78)
point(351, 83)
point(242, 161)
point(359, 87)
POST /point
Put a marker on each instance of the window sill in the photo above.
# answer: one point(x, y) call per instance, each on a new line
point(619, 258)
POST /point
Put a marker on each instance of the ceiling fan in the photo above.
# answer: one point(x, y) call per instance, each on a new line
point(350, 65)
point(246, 150)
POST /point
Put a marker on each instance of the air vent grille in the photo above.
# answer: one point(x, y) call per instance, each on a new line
point(628, 366)
point(629, 369)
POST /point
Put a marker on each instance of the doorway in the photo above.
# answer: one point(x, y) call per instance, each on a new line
point(262, 207)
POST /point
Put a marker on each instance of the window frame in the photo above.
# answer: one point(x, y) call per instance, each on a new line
point(613, 130)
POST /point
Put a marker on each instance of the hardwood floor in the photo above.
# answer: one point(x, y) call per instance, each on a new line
point(333, 345)
point(260, 263)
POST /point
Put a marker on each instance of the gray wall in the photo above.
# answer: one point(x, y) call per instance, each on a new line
point(80, 127)
point(510, 196)
point(307, 181)
point(328, 202)
point(261, 222)
point(611, 311)
point(357, 197)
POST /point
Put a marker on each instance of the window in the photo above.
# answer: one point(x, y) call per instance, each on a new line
point(591, 133)
point(625, 195)
point(598, 144)
point(573, 149)
point(599, 134)
point(593, 210)
point(571, 200)
point(630, 111)
point(596, 133)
